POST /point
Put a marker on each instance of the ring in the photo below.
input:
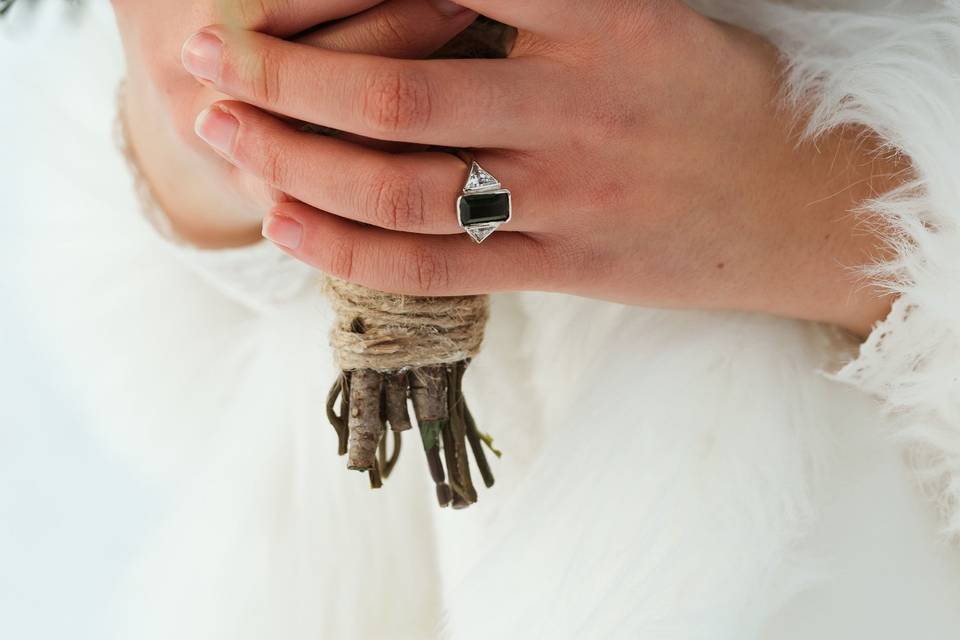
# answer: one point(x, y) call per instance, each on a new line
point(485, 204)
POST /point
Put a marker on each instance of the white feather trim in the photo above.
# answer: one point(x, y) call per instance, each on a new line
point(679, 514)
point(896, 70)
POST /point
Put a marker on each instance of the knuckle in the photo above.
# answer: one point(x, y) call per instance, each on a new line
point(261, 155)
point(607, 194)
point(396, 100)
point(610, 122)
point(341, 259)
point(426, 272)
point(398, 203)
point(273, 168)
point(388, 33)
point(265, 77)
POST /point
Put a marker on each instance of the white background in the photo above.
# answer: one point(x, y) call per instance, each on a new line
point(70, 515)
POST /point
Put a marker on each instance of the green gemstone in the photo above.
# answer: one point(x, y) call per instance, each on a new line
point(483, 208)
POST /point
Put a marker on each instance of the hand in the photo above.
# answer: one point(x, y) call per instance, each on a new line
point(650, 158)
point(209, 202)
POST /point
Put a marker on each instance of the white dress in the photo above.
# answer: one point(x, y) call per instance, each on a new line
point(751, 477)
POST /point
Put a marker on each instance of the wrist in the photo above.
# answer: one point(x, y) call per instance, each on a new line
point(834, 239)
point(814, 239)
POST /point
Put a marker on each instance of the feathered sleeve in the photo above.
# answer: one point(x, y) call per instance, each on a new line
point(896, 70)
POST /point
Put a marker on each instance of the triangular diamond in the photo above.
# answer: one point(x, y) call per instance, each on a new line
point(481, 232)
point(480, 179)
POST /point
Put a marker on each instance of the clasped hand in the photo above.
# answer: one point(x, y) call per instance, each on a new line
point(650, 155)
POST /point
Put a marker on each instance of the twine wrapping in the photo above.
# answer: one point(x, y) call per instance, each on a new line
point(395, 351)
point(388, 332)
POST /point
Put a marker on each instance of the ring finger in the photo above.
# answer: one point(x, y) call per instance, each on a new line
point(408, 263)
point(413, 192)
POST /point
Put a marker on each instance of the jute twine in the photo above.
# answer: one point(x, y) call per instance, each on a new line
point(388, 332)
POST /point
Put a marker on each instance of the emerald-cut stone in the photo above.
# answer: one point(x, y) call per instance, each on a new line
point(484, 208)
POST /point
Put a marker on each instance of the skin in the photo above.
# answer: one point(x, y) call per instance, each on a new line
point(650, 157)
point(211, 204)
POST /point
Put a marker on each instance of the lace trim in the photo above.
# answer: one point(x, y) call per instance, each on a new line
point(867, 370)
point(149, 206)
point(259, 276)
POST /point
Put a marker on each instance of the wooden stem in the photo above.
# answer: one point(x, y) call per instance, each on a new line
point(428, 390)
point(429, 395)
point(388, 463)
point(476, 445)
point(376, 482)
point(395, 401)
point(366, 427)
point(339, 390)
point(370, 400)
point(454, 441)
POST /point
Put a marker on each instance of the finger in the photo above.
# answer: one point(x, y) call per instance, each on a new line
point(462, 103)
point(395, 29)
point(558, 19)
point(407, 263)
point(406, 192)
point(285, 17)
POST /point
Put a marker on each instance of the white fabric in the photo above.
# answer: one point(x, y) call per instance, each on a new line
point(896, 70)
point(722, 487)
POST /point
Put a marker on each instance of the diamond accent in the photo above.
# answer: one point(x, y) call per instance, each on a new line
point(480, 179)
point(480, 232)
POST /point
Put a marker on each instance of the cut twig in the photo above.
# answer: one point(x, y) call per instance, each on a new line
point(387, 463)
point(428, 390)
point(376, 482)
point(366, 427)
point(476, 445)
point(429, 395)
point(395, 401)
point(447, 427)
point(339, 391)
point(454, 441)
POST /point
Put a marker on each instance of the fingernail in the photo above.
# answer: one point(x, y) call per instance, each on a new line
point(201, 55)
point(283, 231)
point(218, 128)
point(448, 8)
